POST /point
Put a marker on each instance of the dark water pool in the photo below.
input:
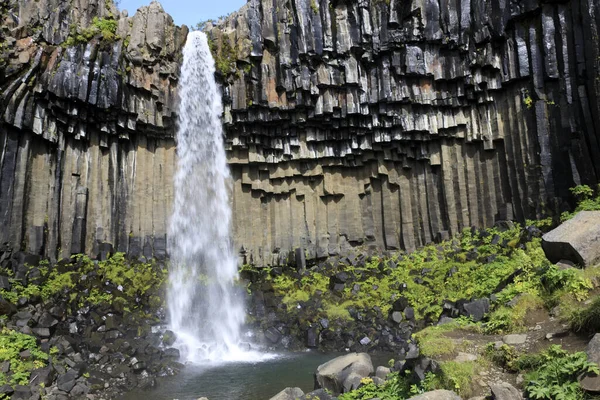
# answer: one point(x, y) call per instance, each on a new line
point(243, 381)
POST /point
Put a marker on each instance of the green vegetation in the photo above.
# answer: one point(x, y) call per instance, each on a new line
point(434, 343)
point(23, 354)
point(588, 199)
point(585, 319)
point(116, 281)
point(395, 387)
point(551, 374)
point(104, 27)
point(225, 56)
point(473, 265)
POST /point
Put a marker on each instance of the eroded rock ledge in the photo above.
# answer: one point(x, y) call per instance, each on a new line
point(86, 131)
point(393, 123)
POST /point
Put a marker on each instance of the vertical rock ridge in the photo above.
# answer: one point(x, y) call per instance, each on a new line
point(87, 127)
point(403, 122)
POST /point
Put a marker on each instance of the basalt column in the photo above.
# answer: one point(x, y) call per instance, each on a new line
point(393, 123)
point(87, 150)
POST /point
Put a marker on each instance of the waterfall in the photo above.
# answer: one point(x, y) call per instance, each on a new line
point(206, 309)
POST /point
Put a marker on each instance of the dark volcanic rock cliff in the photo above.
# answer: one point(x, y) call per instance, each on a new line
point(393, 123)
point(87, 124)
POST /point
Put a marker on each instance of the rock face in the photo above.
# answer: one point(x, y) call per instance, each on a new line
point(86, 126)
point(393, 123)
point(576, 240)
point(340, 374)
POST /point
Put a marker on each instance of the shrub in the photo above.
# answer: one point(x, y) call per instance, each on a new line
point(555, 377)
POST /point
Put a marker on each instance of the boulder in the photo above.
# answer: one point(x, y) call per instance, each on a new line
point(591, 382)
point(476, 309)
point(288, 394)
point(505, 391)
point(437, 395)
point(514, 339)
point(576, 240)
point(319, 394)
point(333, 374)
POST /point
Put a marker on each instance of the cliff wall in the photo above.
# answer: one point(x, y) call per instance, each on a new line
point(87, 150)
point(391, 123)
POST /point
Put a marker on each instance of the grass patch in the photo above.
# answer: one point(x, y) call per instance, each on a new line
point(505, 319)
point(586, 320)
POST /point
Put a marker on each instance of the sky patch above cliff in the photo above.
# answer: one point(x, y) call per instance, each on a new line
point(188, 12)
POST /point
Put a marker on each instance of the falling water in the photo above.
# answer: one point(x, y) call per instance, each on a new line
point(205, 308)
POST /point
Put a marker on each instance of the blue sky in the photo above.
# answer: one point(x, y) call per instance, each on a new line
point(188, 12)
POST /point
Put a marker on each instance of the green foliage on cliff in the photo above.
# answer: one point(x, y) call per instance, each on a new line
point(23, 354)
point(225, 56)
point(104, 27)
point(80, 281)
point(588, 199)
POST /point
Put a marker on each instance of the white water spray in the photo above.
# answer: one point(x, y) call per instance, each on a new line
point(205, 308)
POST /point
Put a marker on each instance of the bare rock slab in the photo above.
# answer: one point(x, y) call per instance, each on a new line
point(288, 394)
point(343, 371)
point(515, 339)
point(505, 391)
point(437, 395)
point(576, 240)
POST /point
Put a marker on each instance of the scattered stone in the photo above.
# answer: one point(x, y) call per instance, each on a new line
point(382, 372)
point(505, 391)
point(514, 339)
point(169, 338)
point(365, 341)
point(477, 309)
point(397, 317)
point(575, 240)
point(288, 394)
point(437, 395)
point(465, 357)
point(332, 374)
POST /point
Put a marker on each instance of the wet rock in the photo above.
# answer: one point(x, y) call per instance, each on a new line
point(288, 394)
point(169, 338)
point(575, 240)
point(273, 335)
point(332, 374)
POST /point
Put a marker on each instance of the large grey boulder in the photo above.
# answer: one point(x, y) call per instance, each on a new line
point(576, 240)
point(288, 394)
point(437, 395)
point(505, 391)
point(341, 373)
point(591, 382)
